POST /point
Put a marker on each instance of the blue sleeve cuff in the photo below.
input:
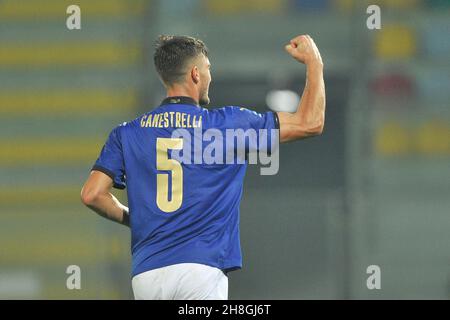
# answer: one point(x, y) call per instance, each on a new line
point(110, 174)
point(277, 120)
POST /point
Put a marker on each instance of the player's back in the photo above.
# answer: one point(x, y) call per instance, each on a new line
point(184, 207)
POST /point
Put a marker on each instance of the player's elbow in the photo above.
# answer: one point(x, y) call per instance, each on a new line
point(318, 130)
point(88, 196)
point(311, 129)
point(301, 131)
point(315, 130)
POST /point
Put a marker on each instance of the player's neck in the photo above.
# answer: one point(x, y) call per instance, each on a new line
point(182, 91)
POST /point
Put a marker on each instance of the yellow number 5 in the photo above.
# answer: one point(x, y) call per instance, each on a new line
point(164, 163)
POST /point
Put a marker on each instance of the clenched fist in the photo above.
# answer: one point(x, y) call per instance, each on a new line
point(304, 50)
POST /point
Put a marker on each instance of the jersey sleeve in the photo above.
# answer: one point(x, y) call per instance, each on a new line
point(244, 118)
point(265, 125)
point(111, 160)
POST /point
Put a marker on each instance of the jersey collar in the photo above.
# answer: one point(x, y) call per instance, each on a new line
point(179, 100)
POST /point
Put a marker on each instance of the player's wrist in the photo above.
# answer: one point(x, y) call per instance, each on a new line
point(314, 73)
point(314, 65)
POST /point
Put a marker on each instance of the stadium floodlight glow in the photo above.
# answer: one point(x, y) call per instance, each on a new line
point(282, 100)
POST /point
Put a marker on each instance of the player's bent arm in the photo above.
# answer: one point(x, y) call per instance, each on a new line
point(309, 119)
point(96, 194)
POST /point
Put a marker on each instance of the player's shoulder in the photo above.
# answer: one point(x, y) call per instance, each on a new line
point(122, 127)
point(218, 115)
point(126, 125)
point(230, 111)
point(233, 115)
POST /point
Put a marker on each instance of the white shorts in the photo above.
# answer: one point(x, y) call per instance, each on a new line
point(184, 281)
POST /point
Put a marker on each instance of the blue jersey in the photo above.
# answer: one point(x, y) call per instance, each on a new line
point(180, 211)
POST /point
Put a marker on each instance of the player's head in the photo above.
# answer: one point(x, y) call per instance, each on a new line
point(183, 60)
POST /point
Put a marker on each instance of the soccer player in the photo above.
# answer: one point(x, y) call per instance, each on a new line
point(184, 217)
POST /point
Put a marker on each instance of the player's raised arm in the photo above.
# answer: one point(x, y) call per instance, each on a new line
point(309, 119)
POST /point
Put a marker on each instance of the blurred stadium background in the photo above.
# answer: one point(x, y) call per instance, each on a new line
point(373, 190)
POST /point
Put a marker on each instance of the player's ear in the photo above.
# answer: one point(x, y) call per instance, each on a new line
point(195, 74)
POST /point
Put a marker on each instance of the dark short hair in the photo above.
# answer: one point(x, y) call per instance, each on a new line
point(172, 53)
